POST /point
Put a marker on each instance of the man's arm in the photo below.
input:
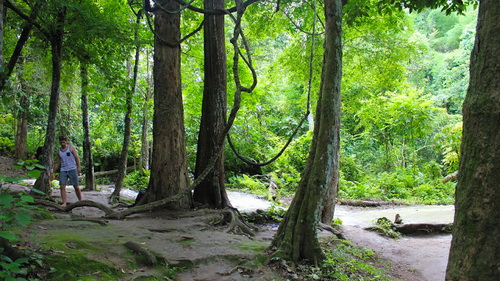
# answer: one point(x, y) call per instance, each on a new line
point(75, 153)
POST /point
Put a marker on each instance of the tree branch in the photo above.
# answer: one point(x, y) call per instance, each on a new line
point(27, 18)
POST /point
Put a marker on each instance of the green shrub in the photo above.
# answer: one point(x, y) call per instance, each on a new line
point(407, 184)
point(137, 180)
point(15, 212)
point(251, 184)
point(344, 261)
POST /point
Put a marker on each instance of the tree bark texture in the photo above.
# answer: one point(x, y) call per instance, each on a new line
point(475, 247)
point(296, 238)
point(87, 144)
point(56, 40)
point(169, 173)
point(211, 191)
point(22, 121)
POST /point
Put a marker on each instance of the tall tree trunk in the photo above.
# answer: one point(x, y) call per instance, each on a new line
point(2, 66)
point(144, 158)
point(56, 40)
point(169, 173)
point(87, 144)
point(296, 238)
point(122, 165)
point(21, 150)
point(475, 247)
point(211, 191)
point(21, 41)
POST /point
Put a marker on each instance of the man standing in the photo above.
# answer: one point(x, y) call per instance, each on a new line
point(69, 164)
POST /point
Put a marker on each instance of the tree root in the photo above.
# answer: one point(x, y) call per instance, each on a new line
point(96, 220)
point(246, 271)
point(236, 223)
point(84, 203)
point(145, 256)
point(336, 232)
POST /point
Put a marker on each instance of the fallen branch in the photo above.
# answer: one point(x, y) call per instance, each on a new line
point(106, 173)
point(417, 228)
point(367, 203)
point(424, 228)
point(450, 177)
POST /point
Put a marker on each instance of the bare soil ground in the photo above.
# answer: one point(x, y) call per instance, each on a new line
point(190, 240)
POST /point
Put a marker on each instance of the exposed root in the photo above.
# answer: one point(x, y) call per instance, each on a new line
point(145, 256)
point(84, 203)
point(243, 270)
point(237, 224)
point(96, 220)
point(336, 232)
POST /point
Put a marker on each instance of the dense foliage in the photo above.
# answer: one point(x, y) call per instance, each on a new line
point(404, 81)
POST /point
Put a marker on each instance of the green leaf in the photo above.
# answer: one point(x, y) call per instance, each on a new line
point(37, 190)
point(34, 173)
point(22, 260)
point(5, 258)
point(6, 199)
point(8, 235)
point(27, 198)
point(23, 219)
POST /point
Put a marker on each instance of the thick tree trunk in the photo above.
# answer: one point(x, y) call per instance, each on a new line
point(56, 40)
point(169, 173)
point(87, 144)
point(475, 247)
point(296, 238)
point(211, 191)
point(330, 200)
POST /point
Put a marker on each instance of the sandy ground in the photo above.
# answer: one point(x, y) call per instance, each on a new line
point(216, 256)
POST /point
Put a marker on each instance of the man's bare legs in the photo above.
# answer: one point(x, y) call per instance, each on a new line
point(64, 194)
point(78, 192)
